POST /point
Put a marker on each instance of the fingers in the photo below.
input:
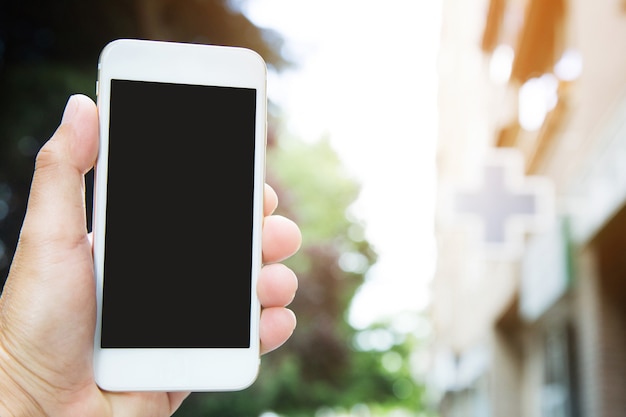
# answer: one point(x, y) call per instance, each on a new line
point(277, 325)
point(276, 289)
point(277, 283)
point(57, 190)
point(270, 200)
point(277, 286)
point(281, 238)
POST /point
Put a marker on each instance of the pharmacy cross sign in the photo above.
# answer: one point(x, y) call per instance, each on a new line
point(503, 205)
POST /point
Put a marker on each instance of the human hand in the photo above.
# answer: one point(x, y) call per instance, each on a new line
point(48, 306)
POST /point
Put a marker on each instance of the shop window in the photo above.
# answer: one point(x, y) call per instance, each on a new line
point(559, 396)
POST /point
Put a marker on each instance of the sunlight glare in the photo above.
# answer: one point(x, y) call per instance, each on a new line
point(367, 79)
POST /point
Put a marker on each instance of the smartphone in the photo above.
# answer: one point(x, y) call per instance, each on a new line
point(178, 212)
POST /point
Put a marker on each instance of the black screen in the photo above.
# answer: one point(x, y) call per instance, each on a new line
point(178, 244)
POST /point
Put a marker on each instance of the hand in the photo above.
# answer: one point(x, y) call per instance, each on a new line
point(48, 306)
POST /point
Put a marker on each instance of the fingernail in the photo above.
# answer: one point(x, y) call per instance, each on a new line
point(70, 109)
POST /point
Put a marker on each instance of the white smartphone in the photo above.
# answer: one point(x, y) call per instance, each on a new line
point(178, 212)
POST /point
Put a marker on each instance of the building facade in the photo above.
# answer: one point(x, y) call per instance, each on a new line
point(542, 331)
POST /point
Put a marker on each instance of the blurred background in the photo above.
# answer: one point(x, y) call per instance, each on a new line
point(457, 168)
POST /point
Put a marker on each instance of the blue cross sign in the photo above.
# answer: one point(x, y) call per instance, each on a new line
point(504, 204)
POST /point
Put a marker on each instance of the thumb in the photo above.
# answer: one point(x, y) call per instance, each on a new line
point(56, 206)
point(48, 305)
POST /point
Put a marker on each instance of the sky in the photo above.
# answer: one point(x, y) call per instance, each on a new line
point(367, 79)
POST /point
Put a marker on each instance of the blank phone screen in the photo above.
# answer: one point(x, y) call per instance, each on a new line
point(178, 242)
